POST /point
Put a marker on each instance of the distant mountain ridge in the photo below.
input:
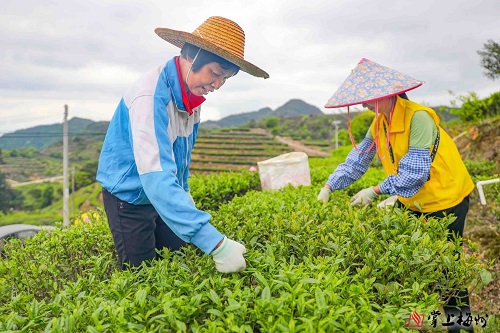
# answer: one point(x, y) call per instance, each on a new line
point(292, 108)
point(43, 136)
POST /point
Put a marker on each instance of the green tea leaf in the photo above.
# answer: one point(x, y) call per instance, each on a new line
point(486, 276)
point(266, 294)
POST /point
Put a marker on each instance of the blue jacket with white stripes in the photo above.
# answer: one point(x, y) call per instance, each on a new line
point(146, 155)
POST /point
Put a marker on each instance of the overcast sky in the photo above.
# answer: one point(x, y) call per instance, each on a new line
point(87, 53)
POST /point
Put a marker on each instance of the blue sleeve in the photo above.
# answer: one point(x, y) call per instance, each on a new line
point(413, 172)
point(157, 169)
point(357, 162)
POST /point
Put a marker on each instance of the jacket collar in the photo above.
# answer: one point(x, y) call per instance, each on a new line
point(172, 77)
point(190, 100)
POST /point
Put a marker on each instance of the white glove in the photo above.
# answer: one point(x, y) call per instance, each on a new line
point(364, 197)
point(390, 201)
point(190, 197)
point(228, 256)
point(324, 195)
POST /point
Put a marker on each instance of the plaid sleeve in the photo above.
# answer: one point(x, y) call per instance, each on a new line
point(355, 165)
point(413, 172)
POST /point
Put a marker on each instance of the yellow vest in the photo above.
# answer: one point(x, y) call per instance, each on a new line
point(449, 181)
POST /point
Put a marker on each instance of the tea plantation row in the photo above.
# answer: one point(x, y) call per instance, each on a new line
point(311, 268)
point(233, 150)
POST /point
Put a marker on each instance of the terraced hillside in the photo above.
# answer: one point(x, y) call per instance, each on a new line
point(229, 150)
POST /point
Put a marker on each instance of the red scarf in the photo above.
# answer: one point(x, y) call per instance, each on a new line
point(190, 101)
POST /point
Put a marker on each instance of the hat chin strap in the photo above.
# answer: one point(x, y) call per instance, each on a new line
point(377, 124)
point(389, 119)
point(194, 59)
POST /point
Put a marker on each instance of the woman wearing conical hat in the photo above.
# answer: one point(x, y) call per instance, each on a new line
point(145, 158)
point(422, 164)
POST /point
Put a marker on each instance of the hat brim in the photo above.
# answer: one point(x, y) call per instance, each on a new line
point(370, 81)
point(179, 38)
point(368, 100)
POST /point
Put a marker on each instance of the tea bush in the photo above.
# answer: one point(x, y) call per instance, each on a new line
point(311, 268)
point(212, 190)
point(42, 265)
point(481, 168)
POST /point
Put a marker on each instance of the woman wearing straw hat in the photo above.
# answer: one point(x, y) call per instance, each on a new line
point(422, 164)
point(144, 162)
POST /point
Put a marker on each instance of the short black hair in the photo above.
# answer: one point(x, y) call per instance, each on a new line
point(206, 57)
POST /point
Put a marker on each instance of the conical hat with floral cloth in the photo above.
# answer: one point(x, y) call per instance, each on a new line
point(370, 81)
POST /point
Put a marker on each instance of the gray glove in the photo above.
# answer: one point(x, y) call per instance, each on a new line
point(364, 197)
point(324, 195)
point(228, 256)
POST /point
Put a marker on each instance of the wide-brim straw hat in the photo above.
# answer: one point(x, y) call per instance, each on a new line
point(370, 81)
point(218, 35)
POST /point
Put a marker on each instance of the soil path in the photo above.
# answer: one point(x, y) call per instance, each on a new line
point(298, 146)
point(13, 183)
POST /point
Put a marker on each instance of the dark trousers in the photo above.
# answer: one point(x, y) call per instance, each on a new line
point(455, 229)
point(138, 231)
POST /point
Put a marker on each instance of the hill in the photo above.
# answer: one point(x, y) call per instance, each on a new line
point(294, 107)
point(237, 119)
point(40, 137)
point(43, 136)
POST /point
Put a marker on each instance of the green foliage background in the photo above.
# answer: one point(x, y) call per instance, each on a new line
point(470, 108)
